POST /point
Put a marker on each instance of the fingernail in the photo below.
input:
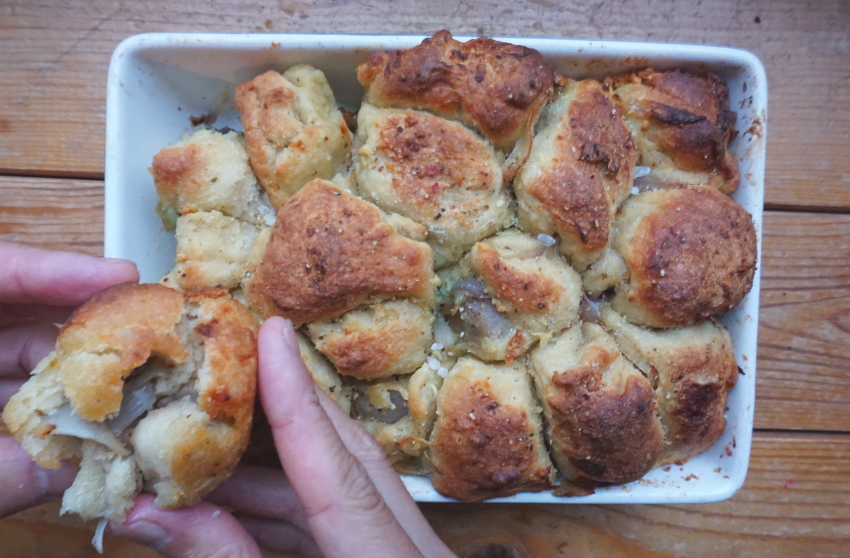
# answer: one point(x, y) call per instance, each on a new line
point(144, 532)
point(289, 336)
point(116, 262)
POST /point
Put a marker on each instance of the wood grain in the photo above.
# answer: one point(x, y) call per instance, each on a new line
point(804, 344)
point(53, 70)
point(794, 503)
point(804, 330)
point(51, 213)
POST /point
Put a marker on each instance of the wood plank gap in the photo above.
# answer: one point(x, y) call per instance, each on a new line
point(42, 173)
point(783, 208)
point(801, 432)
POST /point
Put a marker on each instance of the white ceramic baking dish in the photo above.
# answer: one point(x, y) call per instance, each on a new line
point(157, 81)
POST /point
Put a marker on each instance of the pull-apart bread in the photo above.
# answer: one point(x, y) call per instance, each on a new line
point(488, 438)
point(602, 422)
point(682, 125)
point(509, 292)
point(446, 264)
point(580, 170)
point(147, 389)
point(293, 130)
point(495, 88)
point(329, 252)
point(436, 172)
point(691, 369)
point(685, 252)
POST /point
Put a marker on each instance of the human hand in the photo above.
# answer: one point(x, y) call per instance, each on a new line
point(39, 288)
point(342, 499)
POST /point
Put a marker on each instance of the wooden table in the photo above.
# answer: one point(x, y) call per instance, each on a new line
point(796, 501)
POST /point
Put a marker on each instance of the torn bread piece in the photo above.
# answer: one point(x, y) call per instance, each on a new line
point(487, 441)
point(294, 132)
point(682, 126)
point(692, 369)
point(602, 423)
point(579, 171)
point(147, 389)
point(209, 171)
point(436, 172)
point(330, 252)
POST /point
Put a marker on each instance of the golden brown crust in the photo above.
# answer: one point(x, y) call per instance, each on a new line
point(609, 437)
point(497, 87)
point(529, 293)
point(485, 445)
point(376, 342)
point(690, 251)
point(131, 321)
point(600, 411)
point(434, 171)
point(329, 252)
point(230, 331)
point(293, 131)
point(579, 171)
point(693, 369)
point(687, 117)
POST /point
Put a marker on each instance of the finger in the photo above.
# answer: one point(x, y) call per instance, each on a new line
point(203, 530)
point(263, 493)
point(8, 388)
point(386, 479)
point(23, 484)
point(16, 313)
point(344, 509)
point(34, 276)
point(277, 536)
point(22, 347)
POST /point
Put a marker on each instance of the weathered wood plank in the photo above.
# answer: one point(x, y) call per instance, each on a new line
point(52, 213)
point(53, 71)
point(804, 341)
point(794, 503)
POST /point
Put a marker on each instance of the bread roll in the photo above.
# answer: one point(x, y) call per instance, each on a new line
point(209, 171)
point(690, 252)
point(437, 173)
point(580, 170)
point(692, 369)
point(495, 87)
point(600, 410)
point(682, 125)
point(147, 388)
point(293, 130)
point(487, 441)
point(329, 252)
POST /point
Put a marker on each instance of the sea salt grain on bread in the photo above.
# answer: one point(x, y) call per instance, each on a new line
point(294, 132)
point(147, 388)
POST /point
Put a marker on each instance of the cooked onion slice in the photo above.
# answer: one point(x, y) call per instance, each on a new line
point(97, 541)
point(365, 410)
point(139, 398)
point(68, 423)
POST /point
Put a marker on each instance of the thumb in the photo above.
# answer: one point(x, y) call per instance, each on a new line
point(201, 531)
